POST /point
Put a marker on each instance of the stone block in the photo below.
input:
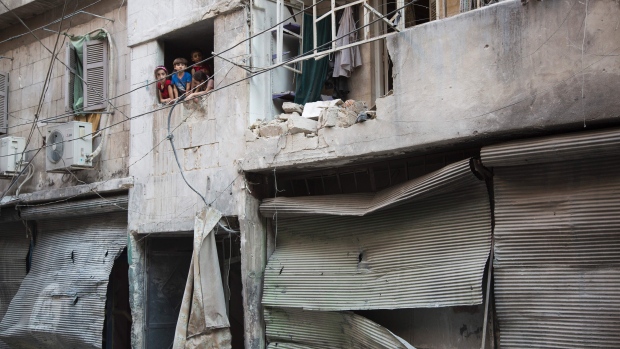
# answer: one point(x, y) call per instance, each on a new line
point(273, 129)
point(299, 124)
point(290, 107)
point(346, 118)
point(329, 117)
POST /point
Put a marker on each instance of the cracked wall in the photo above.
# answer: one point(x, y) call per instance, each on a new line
point(500, 72)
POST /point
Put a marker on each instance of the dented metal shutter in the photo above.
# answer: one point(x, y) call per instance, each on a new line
point(557, 240)
point(95, 74)
point(61, 302)
point(4, 102)
point(301, 329)
point(14, 245)
point(421, 244)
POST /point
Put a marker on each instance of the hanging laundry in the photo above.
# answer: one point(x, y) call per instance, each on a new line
point(348, 59)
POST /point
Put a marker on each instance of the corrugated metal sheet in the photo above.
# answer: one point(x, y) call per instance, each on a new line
point(61, 302)
point(302, 329)
point(75, 208)
point(14, 245)
point(426, 253)
point(445, 180)
point(557, 246)
point(571, 146)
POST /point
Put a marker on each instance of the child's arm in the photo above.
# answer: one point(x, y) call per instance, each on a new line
point(159, 96)
point(170, 93)
point(210, 85)
point(175, 92)
point(193, 71)
point(188, 87)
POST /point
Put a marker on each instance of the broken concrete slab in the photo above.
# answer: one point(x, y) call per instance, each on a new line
point(290, 107)
point(273, 129)
point(329, 117)
point(299, 124)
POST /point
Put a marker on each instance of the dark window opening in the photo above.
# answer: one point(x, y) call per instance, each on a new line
point(182, 42)
point(117, 323)
point(167, 267)
point(229, 253)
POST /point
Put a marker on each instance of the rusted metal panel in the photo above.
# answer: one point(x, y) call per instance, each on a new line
point(427, 252)
point(302, 329)
point(14, 245)
point(557, 242)
point(61, 302)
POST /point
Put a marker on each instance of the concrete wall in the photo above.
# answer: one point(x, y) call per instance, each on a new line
point(500, 72)
point(27, 73)
point(208, 137)
point(148, 19)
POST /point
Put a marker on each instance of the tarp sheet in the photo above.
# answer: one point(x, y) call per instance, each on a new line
point(203, 322)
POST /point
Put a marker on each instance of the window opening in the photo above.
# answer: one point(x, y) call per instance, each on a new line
point(182, 43)
point(86, 73)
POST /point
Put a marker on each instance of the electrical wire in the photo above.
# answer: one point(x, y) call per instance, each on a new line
point(170, 137)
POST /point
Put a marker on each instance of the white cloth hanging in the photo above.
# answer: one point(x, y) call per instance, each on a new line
point(350, 58)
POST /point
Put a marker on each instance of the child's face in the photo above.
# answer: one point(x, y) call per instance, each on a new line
point(180, 67)
point(160, 75)
point(196, 57)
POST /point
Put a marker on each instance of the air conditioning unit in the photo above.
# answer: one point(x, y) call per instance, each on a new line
point(11, 150)
point(68, 146)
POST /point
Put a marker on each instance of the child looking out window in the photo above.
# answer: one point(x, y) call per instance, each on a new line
point(164, 87)
point(181, 80)
point(201, 84)
point(197, 58)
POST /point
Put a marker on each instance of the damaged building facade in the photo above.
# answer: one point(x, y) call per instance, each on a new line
point(382, 174)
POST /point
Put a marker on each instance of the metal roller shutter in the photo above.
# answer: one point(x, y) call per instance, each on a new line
point(14, 245)
point(428, 249)
point(61, 302)
point(301, 329)
point(557, 241)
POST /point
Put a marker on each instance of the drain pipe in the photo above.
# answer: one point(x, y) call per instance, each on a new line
point(103, 125)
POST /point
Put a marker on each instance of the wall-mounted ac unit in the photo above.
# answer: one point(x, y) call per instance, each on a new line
point(68, 147)
point(11, 150)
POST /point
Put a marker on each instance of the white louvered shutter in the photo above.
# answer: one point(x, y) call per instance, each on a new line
point(70, 62)
point(95, 74)
point(4, 101)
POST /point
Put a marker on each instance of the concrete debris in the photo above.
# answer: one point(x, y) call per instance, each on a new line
point(335, 113)
point(313, 110)
point(290, 107)
point(329, 117)
point(256, 124)
point(299, 124)
point(343, 114)
point(274, 128)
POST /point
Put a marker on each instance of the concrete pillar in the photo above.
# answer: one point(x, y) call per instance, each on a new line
point(253, 262)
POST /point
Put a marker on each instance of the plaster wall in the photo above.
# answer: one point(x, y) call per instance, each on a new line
point(150, 19)
point(501, 72)
point(27, 72)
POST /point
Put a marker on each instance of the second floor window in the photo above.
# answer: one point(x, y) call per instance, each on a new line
point(86, 77)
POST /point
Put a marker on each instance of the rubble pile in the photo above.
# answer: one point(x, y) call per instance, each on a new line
point(308, 119)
